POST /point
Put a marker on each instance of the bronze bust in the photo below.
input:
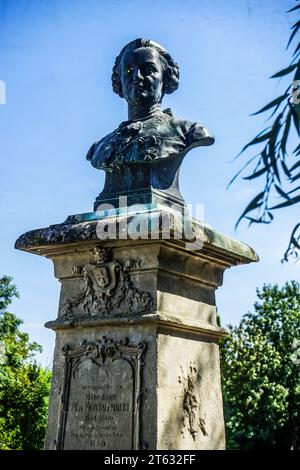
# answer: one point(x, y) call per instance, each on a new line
point(142, 156)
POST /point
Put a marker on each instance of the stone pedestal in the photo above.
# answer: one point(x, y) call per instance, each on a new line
point(136, 361)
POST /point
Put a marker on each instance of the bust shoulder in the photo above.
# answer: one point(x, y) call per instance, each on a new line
point(195, 133)
point(100, 150)
point(159, 136)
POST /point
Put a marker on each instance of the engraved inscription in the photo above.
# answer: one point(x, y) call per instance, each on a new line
point(100, 406)
point(101, 396)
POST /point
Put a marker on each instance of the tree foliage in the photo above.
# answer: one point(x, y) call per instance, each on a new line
point(24, 385)
point(276, 163)
point(261, 373)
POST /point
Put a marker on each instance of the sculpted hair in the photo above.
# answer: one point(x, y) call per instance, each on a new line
point(171, 68)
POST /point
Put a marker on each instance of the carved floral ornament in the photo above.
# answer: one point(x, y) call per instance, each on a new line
point(99, 351)
point(192, 413)
point(106, 288)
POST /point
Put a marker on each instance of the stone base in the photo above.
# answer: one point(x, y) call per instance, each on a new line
point(136, 361)
point(148, 385)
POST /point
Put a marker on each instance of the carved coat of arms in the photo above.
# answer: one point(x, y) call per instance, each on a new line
point(107, 289)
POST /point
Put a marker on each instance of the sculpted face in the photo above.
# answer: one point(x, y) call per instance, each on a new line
point(142, 77)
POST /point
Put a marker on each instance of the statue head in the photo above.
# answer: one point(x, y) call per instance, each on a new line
point(144, 72)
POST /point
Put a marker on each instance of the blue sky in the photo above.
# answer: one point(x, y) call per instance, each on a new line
point(56, 59)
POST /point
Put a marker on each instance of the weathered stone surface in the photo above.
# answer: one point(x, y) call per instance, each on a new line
point(106, 288)
point(160, 295)
point(100, 397)
point(169, 416)
point(189, 392)
point(86, 227)
point(120, 360)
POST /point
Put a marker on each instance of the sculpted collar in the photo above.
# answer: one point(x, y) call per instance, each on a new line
point(156, 112)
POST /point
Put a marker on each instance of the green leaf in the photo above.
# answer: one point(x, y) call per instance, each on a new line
point(265, 156)
point(294, 8)
point(257, 173)
point(285, 71)
point(293, 190)
point(295, 166)
point(281, 192)
point(286, 132)
point(297, 72)
point(296, 151)
point(290, 202)
point(294, 247)
point(270, 105)
point(295, 119)
point(297, 49)
point(295, 27)
point(254, 204)
point(240, 171)
point(285, 169)
point(272, 149)
point(295, 178)
point(258, 139)
point(273, 163)
point(275, 139)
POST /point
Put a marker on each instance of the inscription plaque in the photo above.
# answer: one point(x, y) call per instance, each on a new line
point(100, 402)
